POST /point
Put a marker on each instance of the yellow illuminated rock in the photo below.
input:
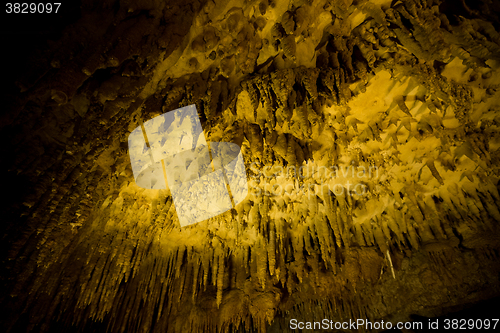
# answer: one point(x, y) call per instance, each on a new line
point(370, 137)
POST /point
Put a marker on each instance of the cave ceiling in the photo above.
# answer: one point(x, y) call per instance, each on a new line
point(370, 136)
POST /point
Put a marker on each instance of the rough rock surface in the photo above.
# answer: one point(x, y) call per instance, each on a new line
point(400, 98)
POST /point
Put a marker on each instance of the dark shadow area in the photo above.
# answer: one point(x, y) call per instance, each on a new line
point(24, 34)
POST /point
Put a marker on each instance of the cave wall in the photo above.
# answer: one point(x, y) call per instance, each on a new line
point(406, 89)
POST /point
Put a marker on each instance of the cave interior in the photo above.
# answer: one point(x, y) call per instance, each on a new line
point(369, 132)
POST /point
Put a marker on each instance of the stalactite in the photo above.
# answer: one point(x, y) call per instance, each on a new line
point(331, 213)
point(220, 279)
point(271, 249)
point(379, 96)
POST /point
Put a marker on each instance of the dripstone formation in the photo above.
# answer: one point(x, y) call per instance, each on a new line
point(370, 132)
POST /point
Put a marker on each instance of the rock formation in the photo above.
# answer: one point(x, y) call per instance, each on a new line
point(370, 132)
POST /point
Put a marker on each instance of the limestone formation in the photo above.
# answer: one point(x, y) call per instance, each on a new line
point(370, 131)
